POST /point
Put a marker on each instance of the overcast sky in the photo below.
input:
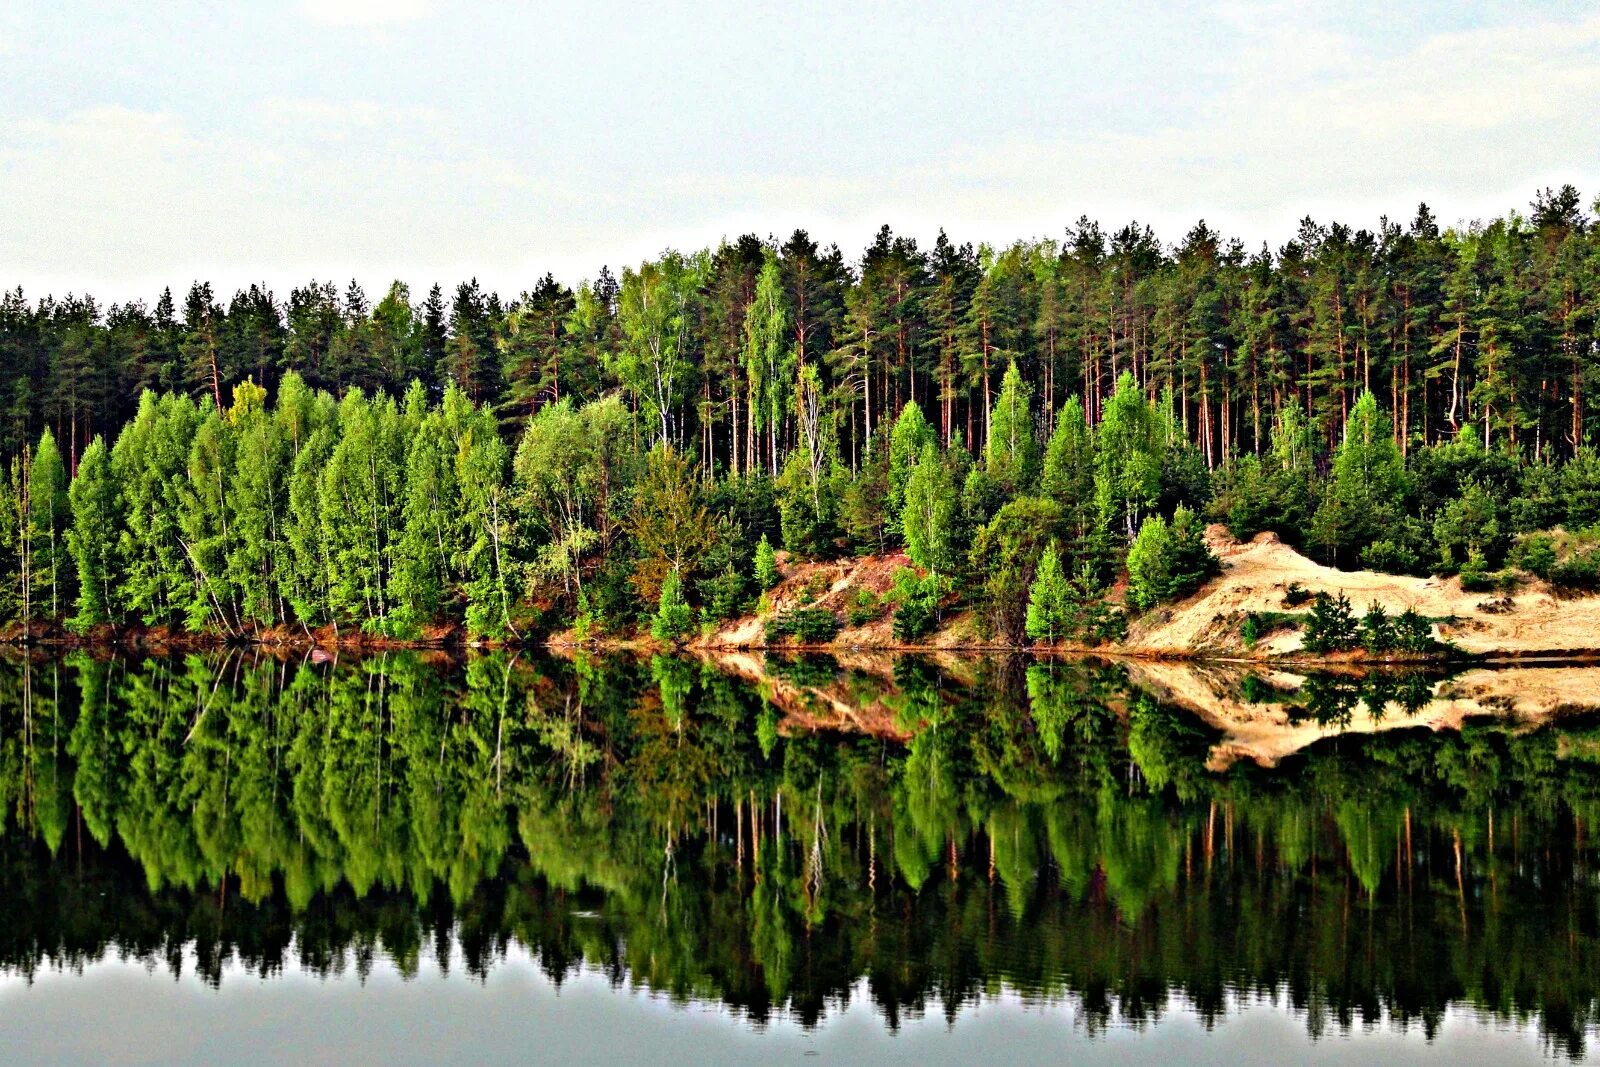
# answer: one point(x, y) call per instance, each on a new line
point(143, 145)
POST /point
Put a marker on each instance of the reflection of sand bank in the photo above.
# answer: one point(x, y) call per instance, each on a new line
point(1265, 734)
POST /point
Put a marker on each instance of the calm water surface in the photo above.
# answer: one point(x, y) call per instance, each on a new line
point(226, 858)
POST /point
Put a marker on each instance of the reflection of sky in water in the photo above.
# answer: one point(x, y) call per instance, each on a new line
point(120, 1011)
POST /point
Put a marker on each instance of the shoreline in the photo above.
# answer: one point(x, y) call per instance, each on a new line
point(139, 641)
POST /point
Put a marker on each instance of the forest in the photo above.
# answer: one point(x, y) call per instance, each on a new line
point(1032, 424)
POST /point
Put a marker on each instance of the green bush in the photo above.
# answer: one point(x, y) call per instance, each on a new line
point(722, 596)
point(766, 564)
point(1579, 573)
point(1536, 554)
point(864, 609)
point(916, 599)
point(806, 625)
point(1295, 595)
point(1475, 574)
point(1413, 633)
point(1377, 630)
point(1167, 561)
point(1331, 626)
point(673, 616)
point(1250, 630)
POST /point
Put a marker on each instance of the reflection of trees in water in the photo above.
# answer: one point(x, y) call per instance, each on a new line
point(1042, 828)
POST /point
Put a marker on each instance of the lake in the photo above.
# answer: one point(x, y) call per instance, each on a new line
point(412, 858)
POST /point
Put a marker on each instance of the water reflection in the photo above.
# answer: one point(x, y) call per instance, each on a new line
point(785, 836)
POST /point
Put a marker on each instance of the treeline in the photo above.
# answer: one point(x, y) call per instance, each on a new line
point(1490, 325)
point(1027, 422)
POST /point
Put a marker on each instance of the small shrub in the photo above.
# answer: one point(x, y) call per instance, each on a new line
point(1579, 573)
point(1413, 633)
point(1250, 630)
point(1390, 557)
point(916, 599)
point(1377, 630)
point(806, 625)
point(674, 618)
point(1475, 575)
point(864, 609)
point(1535, 554)
point(1332, 626)
point(723, 596)
point(1295, 595)
point(766, 564)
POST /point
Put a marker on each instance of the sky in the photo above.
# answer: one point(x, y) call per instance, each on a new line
point(146, 145)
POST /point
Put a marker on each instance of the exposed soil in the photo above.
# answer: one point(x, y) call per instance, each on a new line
point(1255, 577)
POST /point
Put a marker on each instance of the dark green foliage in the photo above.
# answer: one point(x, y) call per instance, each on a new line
point(804, 625)
point(864, 608)
point(1536, 554)
point(724, 595)
point(1295, 595)
point(916, 600)
point(1578, 573)
point(1408, 399)
point(1413, 633)
point(1330, 627)
point(1377, 630)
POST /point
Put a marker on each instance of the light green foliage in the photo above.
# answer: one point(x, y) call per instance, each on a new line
point(911, 434)
point(769, 359)
point(1129, 447)
point(557, 475)
point(1069, 467)
point(812, 480)
point(482, 459)
point(1049, 599)
point(656, 310)
point(766, 564)
point(92, 538)
point(673, 619)
point(928, 516)
point(360, 508)
point(1367, 486)
point(1167, 561)
point(1011, 453)
point(257, 487)
point(1006, 554)
point(203, 524)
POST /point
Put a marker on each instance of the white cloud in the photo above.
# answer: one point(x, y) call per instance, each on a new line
point(366, 13)
point(125, 200)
